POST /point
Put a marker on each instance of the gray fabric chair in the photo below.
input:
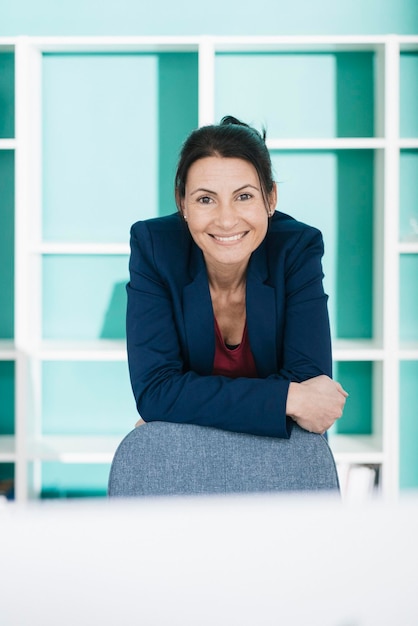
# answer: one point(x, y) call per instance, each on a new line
point(161, 458)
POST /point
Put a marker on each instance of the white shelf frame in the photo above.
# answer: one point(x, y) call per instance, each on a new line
point(8, 144)
point(7, 350)
point(357, 449)
point(90, 449)
point(408, 247)
point(27, 448)
point(108, 249)
point(7, 449)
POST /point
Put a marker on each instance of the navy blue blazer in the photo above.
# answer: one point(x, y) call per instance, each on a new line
point(171, 334)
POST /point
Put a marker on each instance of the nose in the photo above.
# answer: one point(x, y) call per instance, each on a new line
point(226, 216)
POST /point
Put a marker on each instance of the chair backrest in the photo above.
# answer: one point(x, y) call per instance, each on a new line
point(161, 458)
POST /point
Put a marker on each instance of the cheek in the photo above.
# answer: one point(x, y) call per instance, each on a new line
point(263, 222)
point(196, 225)
point(262, 230)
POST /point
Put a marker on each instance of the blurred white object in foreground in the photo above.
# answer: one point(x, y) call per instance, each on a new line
point(251, 560)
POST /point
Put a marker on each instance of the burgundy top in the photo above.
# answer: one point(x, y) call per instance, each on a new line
point(235, 362)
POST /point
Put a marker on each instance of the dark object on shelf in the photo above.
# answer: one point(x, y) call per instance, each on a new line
point(7, 488)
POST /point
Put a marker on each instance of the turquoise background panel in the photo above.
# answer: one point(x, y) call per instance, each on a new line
point(408, 314)
point(409, 94)
point(408, 469)
point(273, 17)
point(292, 95)
point(7, 397)
point(100, 140)
point(298, 95)
point(177, 116)
point(408, 215)
point(6, 244)
point(333, 191)
point(84, 296)
point(357, 379)
point(7, 99)
point(355, 215)
point(87, 398)
point(74, 480)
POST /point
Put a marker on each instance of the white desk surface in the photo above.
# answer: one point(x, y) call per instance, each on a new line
point(233, 561)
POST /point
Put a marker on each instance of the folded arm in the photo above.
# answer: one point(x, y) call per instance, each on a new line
point(165, 391)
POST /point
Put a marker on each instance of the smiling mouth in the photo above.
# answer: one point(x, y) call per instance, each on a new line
point(229, 239)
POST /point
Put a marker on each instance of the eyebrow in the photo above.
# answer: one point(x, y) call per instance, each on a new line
point(200, 189)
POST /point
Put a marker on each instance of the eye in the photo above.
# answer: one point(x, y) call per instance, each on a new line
point(244, 196)
point(204, 200)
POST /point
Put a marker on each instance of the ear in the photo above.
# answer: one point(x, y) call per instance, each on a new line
point(272, 200)
point(180, 204)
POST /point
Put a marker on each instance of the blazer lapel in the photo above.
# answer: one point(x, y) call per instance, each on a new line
point(198, 316)
point(261, 314)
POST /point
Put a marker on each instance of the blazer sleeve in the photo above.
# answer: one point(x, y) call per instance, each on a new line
point(306, 333)
point(163, 390)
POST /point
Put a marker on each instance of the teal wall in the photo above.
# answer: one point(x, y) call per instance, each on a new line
point(185, 17)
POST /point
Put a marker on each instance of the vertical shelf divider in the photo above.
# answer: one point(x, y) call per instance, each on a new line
point(206, 81)
point(390, 382)
point(27, 229)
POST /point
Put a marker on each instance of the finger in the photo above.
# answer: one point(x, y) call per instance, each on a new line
point(342, 391)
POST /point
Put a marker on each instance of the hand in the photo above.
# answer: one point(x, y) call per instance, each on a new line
point(316, 403)
point(139, 423)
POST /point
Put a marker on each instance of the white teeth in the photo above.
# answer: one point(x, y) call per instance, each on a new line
point(232, 238)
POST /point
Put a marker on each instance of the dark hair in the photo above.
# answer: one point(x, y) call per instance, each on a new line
point(230, 138)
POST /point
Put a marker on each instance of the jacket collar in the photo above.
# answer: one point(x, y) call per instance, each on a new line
point(261, 314)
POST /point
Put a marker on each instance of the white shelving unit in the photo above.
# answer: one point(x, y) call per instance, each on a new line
point(28, 447)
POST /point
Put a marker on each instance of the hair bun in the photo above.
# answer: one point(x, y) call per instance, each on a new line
point(230, 119)
point(233, 121)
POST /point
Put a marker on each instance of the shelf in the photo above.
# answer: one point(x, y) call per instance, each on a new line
point(307, 44)
point(408, 43)
point(83, 248)
point(99, 350)
point(100, 449)
point(408, 247)
point(7, 449)
point(74, 449)
point(8, 144)
point(408, 144)
point(357, 350)
point(77, 45)
point(338, 143)
point(51, 350)
point(115, 350)
point(7, 350)
point(312, 43)
point(362, 449)
point(408, 351)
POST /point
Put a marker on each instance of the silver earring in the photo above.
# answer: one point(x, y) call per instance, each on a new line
point(185, 217)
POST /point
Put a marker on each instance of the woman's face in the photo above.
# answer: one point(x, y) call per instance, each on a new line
point(225, 210)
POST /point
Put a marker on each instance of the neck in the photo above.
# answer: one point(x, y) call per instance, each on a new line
point(227, 278)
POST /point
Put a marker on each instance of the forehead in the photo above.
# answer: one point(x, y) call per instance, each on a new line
point(223, 171)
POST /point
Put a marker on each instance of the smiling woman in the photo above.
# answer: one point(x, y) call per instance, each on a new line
point(227, 322)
